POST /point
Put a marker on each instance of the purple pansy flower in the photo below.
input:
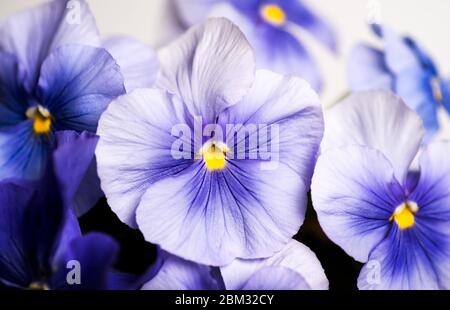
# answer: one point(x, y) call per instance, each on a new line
point(378, 206)
point(293, 268)
point(39, 233)
point(404, 68)
point(210, 206)
point(272, 28)
point(54, 75)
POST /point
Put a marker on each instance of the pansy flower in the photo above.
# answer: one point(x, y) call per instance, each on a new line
point(40, 239)
point(294, 268)
point(272, 27)
point(378, 206)
point(54, 76)
point(405, 68)
point(210, 205)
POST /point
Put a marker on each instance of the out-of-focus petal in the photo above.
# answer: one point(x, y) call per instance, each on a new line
point(399, 55)
point(301, 15)
point(179, 274)
point(13, 98)
point(295, 257)
point(210, 67)
point(138, 62)
point(355, 193)
point(290, 104)
point(213, 217)
point(193, 12)
point(33, 34)
point(22, 154)
point(380, 120)
point(77, 83)
point(135, 147)
point(366, 69)
point(445, 89)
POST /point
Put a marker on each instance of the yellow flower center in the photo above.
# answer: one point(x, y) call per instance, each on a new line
point(214, 155)
point(42, 119)
point(404, 215)
point(436, 89)
point(38, 286)
point(273, 14)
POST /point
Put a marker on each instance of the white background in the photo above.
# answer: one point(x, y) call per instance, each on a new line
point(153, 22)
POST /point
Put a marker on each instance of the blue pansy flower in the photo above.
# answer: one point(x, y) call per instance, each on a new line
point(294, 268)
point(405, 68)
point(54, 75)
point(40, 238)
point(272, 27)
point(374, 201)
point(208, 205)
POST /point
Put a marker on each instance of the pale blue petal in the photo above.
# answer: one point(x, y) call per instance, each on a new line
point(380, 120)
point(295, 257)
point(33, 34)
point(138, 62)
point(210, 67)
point(366, 69)
point(355, 193)
point(77, 83)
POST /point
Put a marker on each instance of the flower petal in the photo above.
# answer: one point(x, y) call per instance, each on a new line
point(77, 83)
point(89, 192)
point(13, 98)
point(213, 217)
point(275, 278)
point(276, 49)
point(193, 12)
point(445, 88)
point(96, 253)
point(380, 120)
point(290, 104)
point(72, 158)
point(138, 62)
point(15, 265)
point(366, 69)
point(22, 154)
point(415, 88)
point(303, 16)
point(355, 193)
point(296, 257)
point(179, 274)
point(135, 146)
point(412, 259)
point(432, 192)
point(399, 55)
point(33, 34)
point(210, 68)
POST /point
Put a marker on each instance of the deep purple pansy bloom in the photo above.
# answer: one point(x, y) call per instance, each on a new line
point(374, 201)
point(294, 268)
point(54, 75)
point(272, 27)
point(210, 206)
point(40, 238)
point(405, 68)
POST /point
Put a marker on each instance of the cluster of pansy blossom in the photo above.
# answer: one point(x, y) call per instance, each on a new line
point(78, 112)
